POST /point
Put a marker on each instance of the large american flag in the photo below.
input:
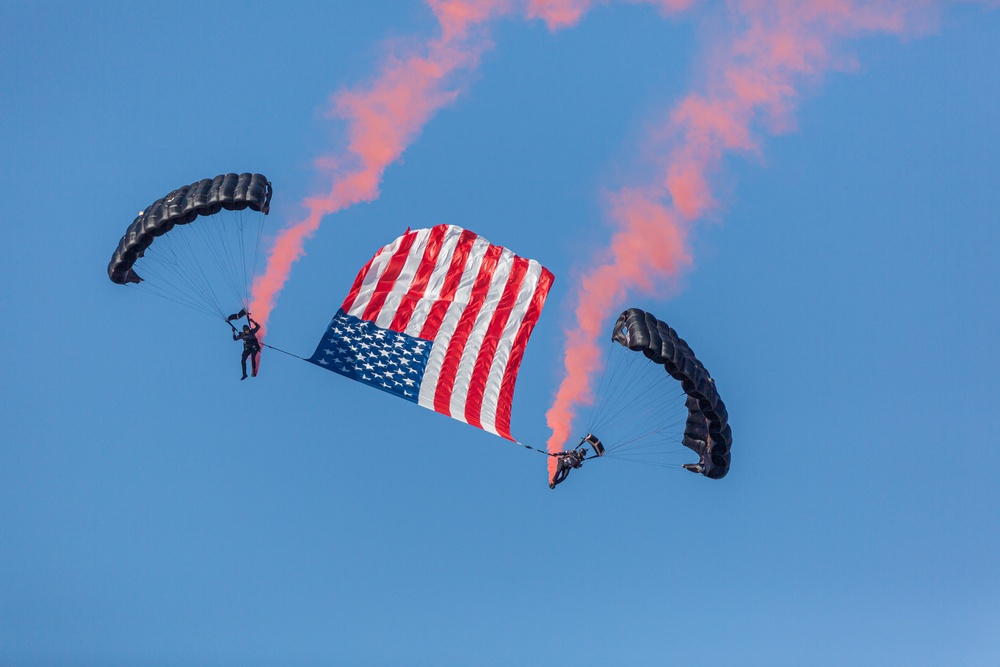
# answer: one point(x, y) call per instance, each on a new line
point(440, 317)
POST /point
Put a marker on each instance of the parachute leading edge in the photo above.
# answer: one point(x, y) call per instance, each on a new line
point(206, 197)
point(440, 317)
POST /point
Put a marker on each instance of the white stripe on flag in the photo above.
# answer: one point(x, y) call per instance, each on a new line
point(436, 282)
point(488, 413)
point(378, 267)
point(470, 353)
point(402, 284)
point(428, 386)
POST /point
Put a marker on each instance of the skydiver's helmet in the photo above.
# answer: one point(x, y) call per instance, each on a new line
point(246, 327)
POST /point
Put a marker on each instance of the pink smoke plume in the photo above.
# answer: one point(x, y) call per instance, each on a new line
point(559, 14)
point(754, 73)
point(383, 118)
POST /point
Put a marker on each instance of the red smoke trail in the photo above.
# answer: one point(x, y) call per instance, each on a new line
point(383, 118)
point(558, 13)
point(567, 13)
point(771, 49)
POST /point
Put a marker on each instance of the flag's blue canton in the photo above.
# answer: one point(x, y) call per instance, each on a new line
point(387, 360)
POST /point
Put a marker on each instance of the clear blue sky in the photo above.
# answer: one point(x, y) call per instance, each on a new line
point(156, 511)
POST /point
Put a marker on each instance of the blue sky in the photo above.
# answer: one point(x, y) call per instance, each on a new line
point(155, 510)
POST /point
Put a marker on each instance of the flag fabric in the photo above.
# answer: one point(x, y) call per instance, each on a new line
point(440, 317)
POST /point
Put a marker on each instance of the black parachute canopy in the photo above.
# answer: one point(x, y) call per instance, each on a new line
point(707, 429)
point(208, 196)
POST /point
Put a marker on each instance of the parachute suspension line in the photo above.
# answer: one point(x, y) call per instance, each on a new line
point(228, 255)
point(199, 269)
point(241, 257)
point(618, 400)
point(193, 269)
point(604, 388)
point(144, 286)
point(174, 295)
point(599, 396)
point(257, 232)
point(252, 223)
point(208, 240)
point(635, 380)
point(625, 378)
point(647, 424)
point(255, 222)
point(633, 438)
point(256, 253)
point(205, 242)
point(647, 414)
point(217, 238)
point(251, 227)
point(244, 297)
point(193, 273)
point(167, 256)
point(622, 386)
point(237, 261)
point(639, 411)
point(658, 464)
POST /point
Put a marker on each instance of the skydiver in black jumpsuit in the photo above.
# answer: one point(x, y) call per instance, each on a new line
point(567, 461)
point(251, 347)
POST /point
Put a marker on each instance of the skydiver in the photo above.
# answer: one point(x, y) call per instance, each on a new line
point(251, 346)
point(566, 461)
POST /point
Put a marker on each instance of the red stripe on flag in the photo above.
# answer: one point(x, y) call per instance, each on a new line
point(451, 283)
point(452, 358)
point(481, 371)
point(409, 302)
point(520, 342)
point(388, 279)
point(356, 287)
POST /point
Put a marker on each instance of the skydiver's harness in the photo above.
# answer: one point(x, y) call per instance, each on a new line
point(250, 342)
point(571, 459)
point(249, 338)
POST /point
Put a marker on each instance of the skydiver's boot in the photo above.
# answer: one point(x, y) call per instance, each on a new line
point(552, 485)
point(244, 377)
